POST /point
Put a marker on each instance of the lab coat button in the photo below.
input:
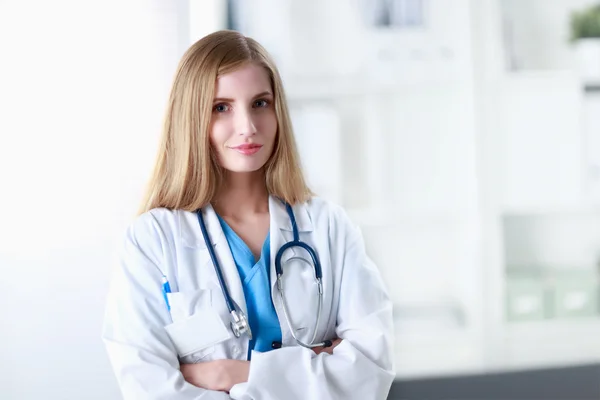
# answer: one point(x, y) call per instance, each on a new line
point(236, 350)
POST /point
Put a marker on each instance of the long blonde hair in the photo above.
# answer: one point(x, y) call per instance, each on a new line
point(186, 174)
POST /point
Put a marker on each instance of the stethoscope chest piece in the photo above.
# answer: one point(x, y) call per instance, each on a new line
point(239, 325)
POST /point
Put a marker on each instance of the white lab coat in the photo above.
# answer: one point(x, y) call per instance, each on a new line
point(146, 342)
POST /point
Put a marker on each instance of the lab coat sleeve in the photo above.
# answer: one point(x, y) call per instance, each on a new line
point(361, 366)
point(141, 353)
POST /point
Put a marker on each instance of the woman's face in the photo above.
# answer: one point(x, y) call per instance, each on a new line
point(243, 124)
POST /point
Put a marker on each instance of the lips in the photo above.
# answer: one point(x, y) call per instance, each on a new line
point(247, 149)
point(247, 146)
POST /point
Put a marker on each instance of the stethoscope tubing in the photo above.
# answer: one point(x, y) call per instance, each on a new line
point(279, 272)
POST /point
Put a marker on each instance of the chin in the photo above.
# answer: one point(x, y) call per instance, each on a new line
point(245, 168)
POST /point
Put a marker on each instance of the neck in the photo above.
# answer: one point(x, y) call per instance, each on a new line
point(242, 194)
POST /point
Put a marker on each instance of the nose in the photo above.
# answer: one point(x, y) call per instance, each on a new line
point(244, 123)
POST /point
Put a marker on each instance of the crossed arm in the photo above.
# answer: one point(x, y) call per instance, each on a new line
point(222, 375)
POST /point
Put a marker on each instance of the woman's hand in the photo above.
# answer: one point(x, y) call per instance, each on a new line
point(222, 375)
point(218, 375)
point(334, 343)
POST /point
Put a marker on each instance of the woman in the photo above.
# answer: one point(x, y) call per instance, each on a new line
point(227, 193)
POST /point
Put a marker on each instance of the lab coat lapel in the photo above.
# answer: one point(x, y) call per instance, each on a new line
point(222, 253)
point(281, 233)
point(279, 221)
point(281, 230)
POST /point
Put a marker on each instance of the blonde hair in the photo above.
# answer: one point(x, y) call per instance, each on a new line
point(186, 174)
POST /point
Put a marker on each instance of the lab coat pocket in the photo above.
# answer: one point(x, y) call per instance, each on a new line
point(184, 304)
point(196, 327)
point(198, 334)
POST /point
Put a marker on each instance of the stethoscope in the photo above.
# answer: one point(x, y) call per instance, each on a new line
point(239, 321)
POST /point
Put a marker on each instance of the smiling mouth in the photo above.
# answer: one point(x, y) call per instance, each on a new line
point(247, 149)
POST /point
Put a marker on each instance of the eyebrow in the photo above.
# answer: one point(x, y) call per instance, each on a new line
point(228, 100)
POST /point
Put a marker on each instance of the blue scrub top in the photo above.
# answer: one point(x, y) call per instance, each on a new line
point(257, 290)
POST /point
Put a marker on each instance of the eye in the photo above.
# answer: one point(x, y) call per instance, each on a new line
point(261, 103)
point(221, 108)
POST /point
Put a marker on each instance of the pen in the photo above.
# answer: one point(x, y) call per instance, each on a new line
point(166, 289)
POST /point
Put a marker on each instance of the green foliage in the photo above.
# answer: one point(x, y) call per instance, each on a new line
point(585, 24)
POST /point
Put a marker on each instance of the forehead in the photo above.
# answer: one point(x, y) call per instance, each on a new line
point(249, 80)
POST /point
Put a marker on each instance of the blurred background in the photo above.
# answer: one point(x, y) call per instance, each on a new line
point(463, 136)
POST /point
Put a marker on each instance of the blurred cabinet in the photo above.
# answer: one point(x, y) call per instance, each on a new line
point(576, 297)
point(534, 193)
point(526, 299)
point(552, 294)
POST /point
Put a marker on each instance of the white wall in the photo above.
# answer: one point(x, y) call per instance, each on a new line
point(83, 85)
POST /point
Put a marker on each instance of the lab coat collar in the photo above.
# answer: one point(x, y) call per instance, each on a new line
point(190, 232)
point(191, 235)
